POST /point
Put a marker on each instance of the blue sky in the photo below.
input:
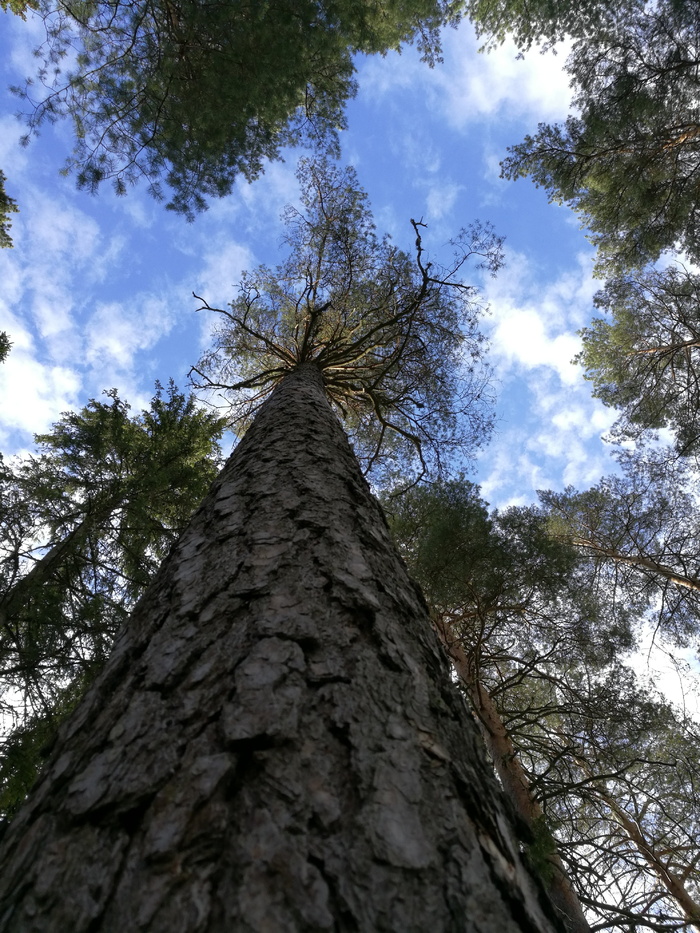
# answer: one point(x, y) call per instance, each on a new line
point(98, 290)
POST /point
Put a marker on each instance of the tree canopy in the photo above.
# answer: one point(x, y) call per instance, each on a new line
point(642, 359)
point(396, 337)
point(642, 527)
point(628, 161)
point(196, 94)
point(536, 22)
point(7, 206)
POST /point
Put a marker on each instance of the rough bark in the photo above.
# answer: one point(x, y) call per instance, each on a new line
point(515, 784)
point(275, 743)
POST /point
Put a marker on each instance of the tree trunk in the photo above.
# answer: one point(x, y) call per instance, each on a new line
point(670, 880)
point(274, 744)
point(638, 560)
point(15, 599)
point(515, 784)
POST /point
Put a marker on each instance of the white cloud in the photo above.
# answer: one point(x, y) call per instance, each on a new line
point(441, 198)
point(26, 35)
point(13, 157)
point(550, 428)
point(32, 394)
point(115, 334)
point(535, 323)
point(556, 444)
point(474, 85)
point(521, 335)
point(224, 262)
point(470, 85)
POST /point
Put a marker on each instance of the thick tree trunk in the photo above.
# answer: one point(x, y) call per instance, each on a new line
point(275, 744)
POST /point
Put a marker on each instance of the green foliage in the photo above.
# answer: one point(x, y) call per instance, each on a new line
point(613, 768)
point(628, 163)
point(643, 361)
point(397, 338)
point(7, 206)
point(84, 525)
point(23, 750)
point(5, 346)
point(541, 848)
point(641, 527)
point(19, 7)
point(515, 595)
point(147, 473)
point(197, 94)
point(544, 22)
point(455, 549)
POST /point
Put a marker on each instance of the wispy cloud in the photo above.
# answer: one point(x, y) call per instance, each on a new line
point(550, 428)
point(475, 85)
point(470, 86)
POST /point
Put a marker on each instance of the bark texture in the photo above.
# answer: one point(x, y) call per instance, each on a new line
point(275, 744)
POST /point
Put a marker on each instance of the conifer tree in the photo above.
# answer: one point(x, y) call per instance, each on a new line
point(397, 337)
point(84, 524)
point(642, 358)
point(627, 160)
point(601, 772)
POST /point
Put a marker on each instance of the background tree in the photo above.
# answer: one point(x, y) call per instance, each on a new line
point(7, 206)
point(616, 770)
point(197, 94)
point(507, 608)
point(83, 527)
point(542, 22)
point(642, 529)
point(19, 7)
point(585, 757)
point(628, 162)
point(642, 360)
point(396, 337)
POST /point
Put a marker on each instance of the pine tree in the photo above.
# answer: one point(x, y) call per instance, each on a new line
point(275, 742)
point(7, 206)
point(600, 772)
point(628, 160)
point(641, 528)
point(642, 359)
point(397, 337)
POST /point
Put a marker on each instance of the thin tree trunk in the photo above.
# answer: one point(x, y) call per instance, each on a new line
point(638, 560)
point(274, 744)
point(669, 879)
point(515, 783)
point(17, 596)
